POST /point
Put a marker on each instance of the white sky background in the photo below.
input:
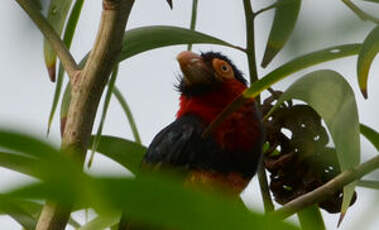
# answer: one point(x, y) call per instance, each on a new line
point(147, 79)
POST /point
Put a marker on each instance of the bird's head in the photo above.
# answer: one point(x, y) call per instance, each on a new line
point(210, 82)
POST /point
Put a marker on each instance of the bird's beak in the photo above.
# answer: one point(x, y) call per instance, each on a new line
point(194, 69)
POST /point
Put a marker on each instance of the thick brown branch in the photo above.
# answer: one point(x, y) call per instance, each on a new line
point(87, 89)
point(51, 35)
point(327, 189)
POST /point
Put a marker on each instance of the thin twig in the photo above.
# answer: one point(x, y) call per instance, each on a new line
point(51, 35)
point(360, 13)
point(85, 96)
point(265, 9)
point(328, 189)
point(263, 184)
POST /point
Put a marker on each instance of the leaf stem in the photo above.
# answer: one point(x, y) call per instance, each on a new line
point(50, 34)
point(328, 189)
point(193, 20)
point(369, 184)
point(265, 9)
point(263, 184)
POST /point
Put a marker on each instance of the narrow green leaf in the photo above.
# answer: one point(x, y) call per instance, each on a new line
point(282, 27)
point(371, 135)
point(101, 223)
point(151, 37)
point(328, 93)
point(121, 99)
point(57, 14)
point(107, 100)
point(300, 63)
point(193, 19)
point(65, 106)
point(67, 39)
point(310, 218)
point(374, 1)
point(369, 50)
point(127, 153)
point(369, 184)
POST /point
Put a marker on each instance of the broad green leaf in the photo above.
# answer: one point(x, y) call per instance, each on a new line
point(151, 37)
point(328, 93)
point(38, 4)
point(101, 223)
point(128, 113)
point(371, 135)
point(67, 39)
point(310, 218)
point(155, 200)
point(369, 50)
point(127, 153)
point(107, 100)
point(58, 10)
point(282, 27)
point(300, 63)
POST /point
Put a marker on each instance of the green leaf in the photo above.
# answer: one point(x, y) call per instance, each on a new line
point(121, 99)
point(328, 93)
point(284, 22)
point(369, 50)
point(371, 135)
point(67, 39)
point(147, 38)
point(107, 100)
point(300, 63)
point(374, 1)
point(57, 14)
point(310, 218)
point(155, 200)
point(101, 223)
point(127, 153)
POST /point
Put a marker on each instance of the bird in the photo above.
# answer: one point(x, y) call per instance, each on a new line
point(228, 157)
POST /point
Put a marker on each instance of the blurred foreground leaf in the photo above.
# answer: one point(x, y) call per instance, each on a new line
point(328, 93)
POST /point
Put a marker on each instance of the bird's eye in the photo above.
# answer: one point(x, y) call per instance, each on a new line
point(224, 68)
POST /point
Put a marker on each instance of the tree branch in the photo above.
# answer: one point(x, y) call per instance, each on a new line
point(87, 89)
point(328, 189)
point(51, 35)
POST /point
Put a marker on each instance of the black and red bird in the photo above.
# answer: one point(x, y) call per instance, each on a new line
point(228, 157)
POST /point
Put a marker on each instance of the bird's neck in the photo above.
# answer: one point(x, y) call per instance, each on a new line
point(208, 105)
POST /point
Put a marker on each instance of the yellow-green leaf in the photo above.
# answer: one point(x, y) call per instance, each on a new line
point(284, 22)
point(57, 14)
point(370, 49)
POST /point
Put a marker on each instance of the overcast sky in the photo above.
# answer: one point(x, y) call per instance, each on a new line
point(147, 79)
